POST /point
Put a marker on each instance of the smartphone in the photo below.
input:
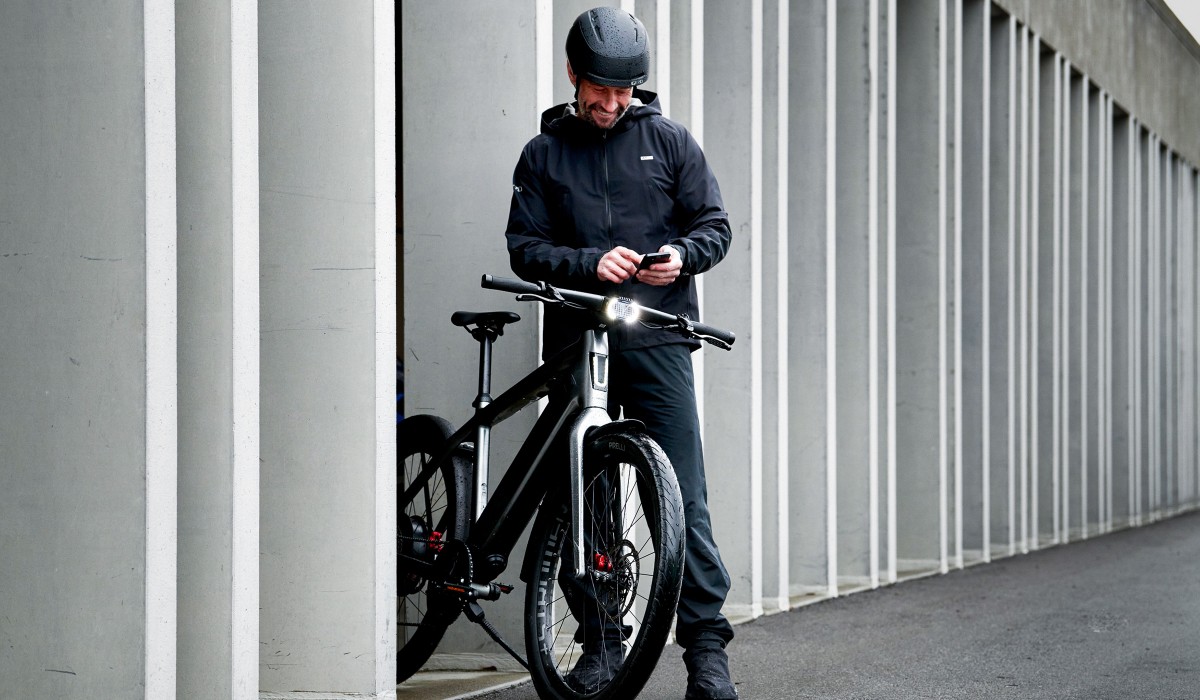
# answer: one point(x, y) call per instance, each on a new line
point(653, 259)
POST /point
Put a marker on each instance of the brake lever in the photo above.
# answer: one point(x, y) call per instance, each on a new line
point(552, 295)
point(713, 341)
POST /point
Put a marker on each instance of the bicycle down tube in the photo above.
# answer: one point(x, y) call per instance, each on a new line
point(514, 500)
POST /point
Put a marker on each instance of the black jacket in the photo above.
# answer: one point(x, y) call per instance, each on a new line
point(579, 191)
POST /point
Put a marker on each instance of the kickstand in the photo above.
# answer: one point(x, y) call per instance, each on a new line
point(474, 613)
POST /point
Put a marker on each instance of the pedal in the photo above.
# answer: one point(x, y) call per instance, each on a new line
point(477, 591)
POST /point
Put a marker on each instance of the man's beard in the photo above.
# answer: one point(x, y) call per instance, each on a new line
point(586, 114)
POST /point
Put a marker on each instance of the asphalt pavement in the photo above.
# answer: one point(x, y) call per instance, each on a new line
point(1115, 617)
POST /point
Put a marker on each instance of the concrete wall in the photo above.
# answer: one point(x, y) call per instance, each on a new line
point(327, 483)
point(217, 102)
point(87, 431)
point(936, 333)
point(457, 172)
point(133, 440)
point(1130, 50)
point(963, 281)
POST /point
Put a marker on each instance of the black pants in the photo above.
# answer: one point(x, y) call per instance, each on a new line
point(656, 386)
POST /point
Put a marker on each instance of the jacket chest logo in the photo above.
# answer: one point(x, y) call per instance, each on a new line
point(647, 157)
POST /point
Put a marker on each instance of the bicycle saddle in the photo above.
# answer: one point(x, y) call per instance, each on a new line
point(494, 320)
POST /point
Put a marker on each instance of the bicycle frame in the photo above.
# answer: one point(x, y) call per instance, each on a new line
point(576, 380)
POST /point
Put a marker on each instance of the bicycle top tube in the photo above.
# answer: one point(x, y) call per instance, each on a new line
point(611, 309)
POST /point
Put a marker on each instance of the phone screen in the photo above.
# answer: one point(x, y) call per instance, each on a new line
point(653, 259)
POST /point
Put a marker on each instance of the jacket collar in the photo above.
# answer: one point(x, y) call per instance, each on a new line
point(562, 121)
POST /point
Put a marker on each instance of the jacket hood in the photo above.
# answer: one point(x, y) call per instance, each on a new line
point(560, 120)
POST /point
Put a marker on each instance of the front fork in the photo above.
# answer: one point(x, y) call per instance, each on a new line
point(594, 413)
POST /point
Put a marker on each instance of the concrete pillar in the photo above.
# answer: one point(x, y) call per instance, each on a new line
point(1186, 326)
point(775, 272)
point(1043, 437)
point(456, 195)
point(733, 108)
point(812, 227)
point(328, 607)
point(1163, 342)
point(1074, 352)
point(1029, 49)
point(921, 286)
point(686, 55)
point(217, 99)
point(955, 144)
point(1108, 408)
point(562, 15)
point(1093, 286)
point(1121, 315)
point(856, 291)
point(87, 367)
point(973, 194)
point(1170, 350)
point(1002, 383)
point(1191, 233)
point(1143, 158)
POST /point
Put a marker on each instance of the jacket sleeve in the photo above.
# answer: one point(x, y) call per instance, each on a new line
point(706, 233)
point(533, 253)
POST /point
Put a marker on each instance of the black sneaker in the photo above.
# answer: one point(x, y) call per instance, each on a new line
point(596, 667)
point(708, 675)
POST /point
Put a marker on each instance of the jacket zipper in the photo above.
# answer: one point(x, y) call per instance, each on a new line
point(607, 203)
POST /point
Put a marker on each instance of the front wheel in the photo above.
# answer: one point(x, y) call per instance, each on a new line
point(599, 633)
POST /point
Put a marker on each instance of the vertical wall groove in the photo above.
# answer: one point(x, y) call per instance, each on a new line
point(831, 326)
point(386, 334)
point(244, 544)
point(161, 329)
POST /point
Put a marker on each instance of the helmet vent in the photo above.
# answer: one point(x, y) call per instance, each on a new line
point(597, 25)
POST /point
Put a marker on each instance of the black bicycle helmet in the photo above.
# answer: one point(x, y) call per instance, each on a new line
point(609, 47)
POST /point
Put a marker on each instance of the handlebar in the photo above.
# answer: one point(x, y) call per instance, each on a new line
point(505, 284)
point(651, 318)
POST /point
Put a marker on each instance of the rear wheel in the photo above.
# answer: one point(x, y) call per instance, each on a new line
point(617, 614)
point(431, 513)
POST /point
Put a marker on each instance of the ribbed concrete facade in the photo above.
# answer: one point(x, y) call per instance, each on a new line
point(962, 274)
point(963, 270)
point(963, 280)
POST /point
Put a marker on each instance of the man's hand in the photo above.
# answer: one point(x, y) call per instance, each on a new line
point(618, 265)
point(662, 274)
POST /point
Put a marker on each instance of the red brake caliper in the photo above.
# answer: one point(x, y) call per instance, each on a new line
point(602, 562)
point(435, 541)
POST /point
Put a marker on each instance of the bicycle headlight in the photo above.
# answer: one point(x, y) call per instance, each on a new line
point(622, 309)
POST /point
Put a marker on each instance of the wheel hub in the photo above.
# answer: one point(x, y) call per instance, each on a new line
point(616, 575)
point(417, 541)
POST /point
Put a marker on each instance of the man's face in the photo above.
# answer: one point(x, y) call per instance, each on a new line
point(602, 106)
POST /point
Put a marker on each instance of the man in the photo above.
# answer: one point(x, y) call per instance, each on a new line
point(608, 180)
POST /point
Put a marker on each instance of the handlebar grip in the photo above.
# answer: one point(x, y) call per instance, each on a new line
point(505, 284)
point(720, 334)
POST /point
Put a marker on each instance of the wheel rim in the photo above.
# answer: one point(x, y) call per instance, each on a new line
point(421, 526)
point(620, 557)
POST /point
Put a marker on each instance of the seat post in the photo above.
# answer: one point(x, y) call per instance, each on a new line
point(485, 328)
point(483, 437)
point(485, 366)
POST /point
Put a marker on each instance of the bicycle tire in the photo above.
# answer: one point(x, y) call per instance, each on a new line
point(436, 513)
point(650, 500)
